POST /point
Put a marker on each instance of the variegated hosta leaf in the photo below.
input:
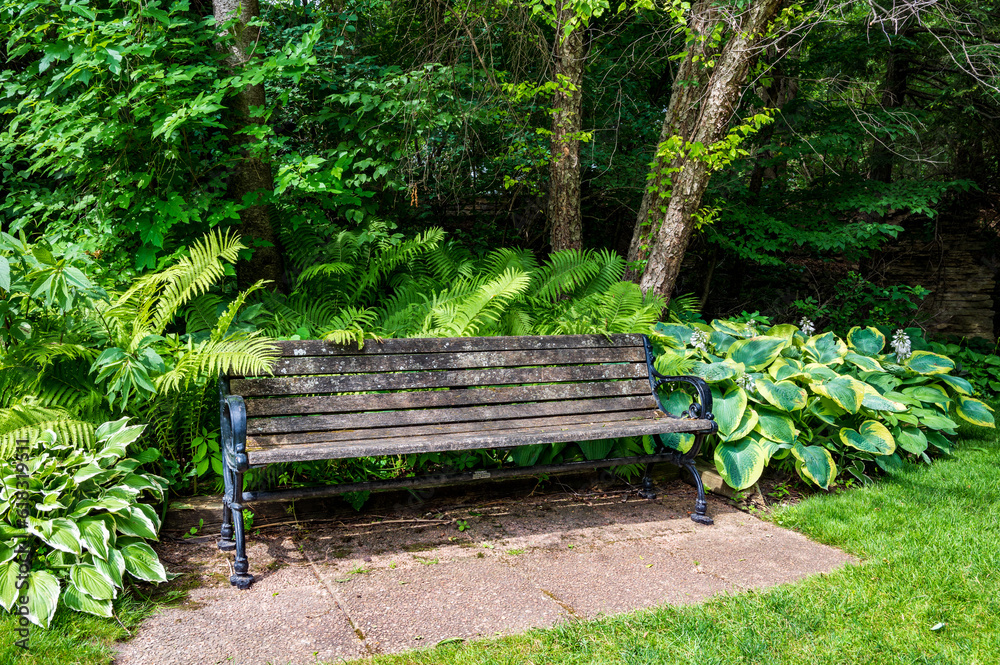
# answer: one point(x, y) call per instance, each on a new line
point(786, 368)
point(93, 581)
point(785, 331)
point(59, 533)
point(863, 362)
point(826, 349)
point(784, 395)
point(756, 353)
point(747, 423)
point(872, 400)
point(866, 341)
point(714, 372)
point(678, 335)
point(676, 402)
point(76, 599)
point(597, 449)
point(775, 425)
point(846, 391)
point(974, 411)
point(740, 463)
point(728, 409)
point(929, 394)
point(826, 410)
point(927, 363)
point(43, 597)
point(957, 383)
point(141, 562)
point(815, 463)
point(872, 437)
point(820, 372)
point(682, 443)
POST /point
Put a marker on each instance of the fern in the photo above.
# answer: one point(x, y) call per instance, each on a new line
point(28, 421)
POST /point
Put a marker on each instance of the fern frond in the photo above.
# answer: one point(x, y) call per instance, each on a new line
point(201, 314)
point(564, 272)
point(242, 353)
point(29, 421)
point(221, 327)
point(483, 307)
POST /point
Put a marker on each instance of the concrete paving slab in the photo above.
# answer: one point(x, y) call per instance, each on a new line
point(287, 618)
point(406, 608)
point(615, 578)
point(751, 554)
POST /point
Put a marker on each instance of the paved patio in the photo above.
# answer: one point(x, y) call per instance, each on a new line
point(408, 578)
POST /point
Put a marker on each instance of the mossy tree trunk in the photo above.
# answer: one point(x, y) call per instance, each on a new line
point(251, 174)
point(565, 219)
point(700, 110)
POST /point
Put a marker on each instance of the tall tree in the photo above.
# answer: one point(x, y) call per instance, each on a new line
point(565, 218)
point(252, 174)
point(723, 42)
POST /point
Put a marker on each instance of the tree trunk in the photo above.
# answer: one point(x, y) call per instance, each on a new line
point(565, 219)
point(897, 68)
point(251, 174)
point(700, 110)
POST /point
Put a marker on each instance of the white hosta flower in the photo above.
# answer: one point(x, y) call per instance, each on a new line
point(699, 340)
point(751, 328)
point(901, 345)
point(807, 327)
point(746, 382)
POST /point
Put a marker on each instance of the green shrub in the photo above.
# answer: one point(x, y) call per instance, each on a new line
point(81, 507)
point(815, 402)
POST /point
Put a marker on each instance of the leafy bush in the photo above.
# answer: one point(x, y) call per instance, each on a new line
point(855, 301)
point(83, 506)
point(816, 403)
point(977, 361)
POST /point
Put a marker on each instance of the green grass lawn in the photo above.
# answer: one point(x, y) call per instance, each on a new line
point(928, 537)
point(929, 540)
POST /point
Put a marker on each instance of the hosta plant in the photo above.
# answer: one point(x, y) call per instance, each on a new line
point(817, 402)
point(81, 510)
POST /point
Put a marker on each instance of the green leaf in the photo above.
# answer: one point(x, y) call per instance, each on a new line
point(866, 341)
point(775, 425)
point(927, 363)
point(141, 562)
point(873, 437)
point(872, 400)
point(682, 443)
point(930, 394)
point(728, 409)
point(713, 372)
point(786, 368)
point(957, 383)
point(678, 335)
point(826, 348)
point(677, 402)
point(76, 599)
point(740, 463)
point(785, 395)
point(937, 422)
point(597, 449)
point(59, 533)
point(815, 463)
point(138, 523)
point(96, 536)
point(911, 439)
point(4, 274)
point(527, 455)
point(8, 584)
point(827, 410)
point(939, 441)
point(890, 463)
point(846, 391)
point(747, 423)
point(92, 581)
point(975, 412)
point(113, 568)
point(756, 353)
point(863, 362)
point(43, 596)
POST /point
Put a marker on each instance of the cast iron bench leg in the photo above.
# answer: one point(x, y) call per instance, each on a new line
point(241, 578)
point(647, 491)
point(700, 505)
point(226, 542)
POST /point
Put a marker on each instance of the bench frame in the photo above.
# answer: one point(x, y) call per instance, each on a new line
point(233, 422)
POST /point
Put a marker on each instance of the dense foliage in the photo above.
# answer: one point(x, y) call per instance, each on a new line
point(816, 403)
point(83, 506)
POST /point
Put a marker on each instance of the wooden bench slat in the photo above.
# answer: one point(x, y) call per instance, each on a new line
point(281, 406)
point(268, 441)
point(454, 344)
point(449, 415)
point(306, 385)
point(466, 360)
point(487, 439)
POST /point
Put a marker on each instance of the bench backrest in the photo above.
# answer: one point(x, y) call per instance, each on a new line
point(412, 381)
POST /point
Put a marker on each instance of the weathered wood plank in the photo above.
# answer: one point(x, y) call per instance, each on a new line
point(466, 441)
point(285, 406)
point(267, 441)
point(466, 360)
point(449, 415)
point(319, 385)
point(456, 344)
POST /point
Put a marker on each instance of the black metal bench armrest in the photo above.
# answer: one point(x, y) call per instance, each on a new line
point(234, 432)
point(700, 409)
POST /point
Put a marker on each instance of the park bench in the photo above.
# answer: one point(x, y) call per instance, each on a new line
point(404, 396)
